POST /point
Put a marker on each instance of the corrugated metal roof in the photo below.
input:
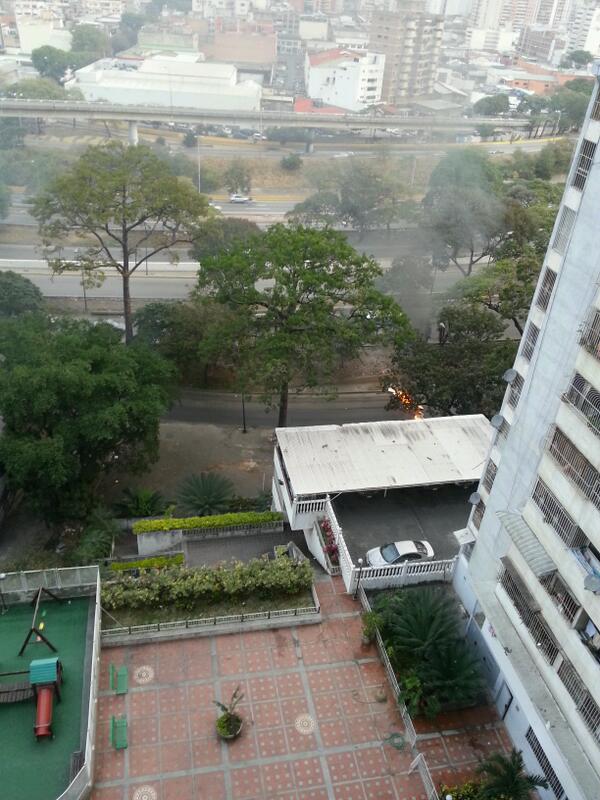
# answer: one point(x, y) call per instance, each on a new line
point(382, 455)
point(527, 543)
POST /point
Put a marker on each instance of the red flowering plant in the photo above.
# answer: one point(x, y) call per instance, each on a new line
point(330, 547)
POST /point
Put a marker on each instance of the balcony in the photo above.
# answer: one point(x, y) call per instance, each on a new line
point(575, 466)
point(585, 399)
point(557, 517)
point(590, 334)
point(561, 596)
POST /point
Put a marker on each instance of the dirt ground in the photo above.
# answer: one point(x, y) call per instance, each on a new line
point(246, 459)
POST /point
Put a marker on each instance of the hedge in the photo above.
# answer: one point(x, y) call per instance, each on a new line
point(157, 562)
point(185, 588)
point(216, 521)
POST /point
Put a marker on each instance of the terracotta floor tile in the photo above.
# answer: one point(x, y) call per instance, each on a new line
point(349, 791)
point(142, 730)
point(173, 699)
point(178, 788)
point(110, 706)
point(144, 760)
point(285, 658)
point(277, 777)
point(342, 767)
point(299, 742)
point(175, 756)
point(289, 685)
point(110, 765)
point(258, 660)
point(108, 793)
point(244, 748)
point(334, 733)
point(210, 786)
point(143, 703)
point(206, 752)
point(154, 784)
point(307, 772)
point(263, 688)
point(246, 783)
point(371, 762)
point(202, 721)
point(231, 663)
point(313, 794)
point(292, 708)
point(327, 706)
point(173, 727)
point(266, 715)
point(313, 654)
point(379, 789)
point(271, 743)
point(362, 729)
point(200, 696)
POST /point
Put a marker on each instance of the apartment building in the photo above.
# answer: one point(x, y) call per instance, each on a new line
point(529, 571)
point(410, 38)
point(345, 78)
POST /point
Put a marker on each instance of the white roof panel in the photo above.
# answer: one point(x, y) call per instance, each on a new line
point(381, 455)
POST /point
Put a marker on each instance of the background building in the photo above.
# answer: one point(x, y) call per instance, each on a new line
point(410, 38)
point(344, 78)
point(532, 584)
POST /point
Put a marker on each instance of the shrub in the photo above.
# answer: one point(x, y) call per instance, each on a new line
point(330, 545)
point(156, 562)
point(291, 163)
point(207, 493)
point(141, 503)
point(96, 539)
point(184, 588)
point(466, 791)
point(202, 523)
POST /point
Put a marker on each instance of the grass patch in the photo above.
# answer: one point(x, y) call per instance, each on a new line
point(147, 616)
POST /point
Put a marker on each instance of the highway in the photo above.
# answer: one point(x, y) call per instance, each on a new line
point(79, 109)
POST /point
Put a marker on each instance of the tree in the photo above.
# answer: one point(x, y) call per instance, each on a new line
point(12, 133)
point(291, 162)
point(90, 39)
point(460, 375)
point(75, 402)
point(237, 178)
point(492, 106)
point(505, 287)
point(127, 200)
point(577, 59)
point(303, 301)
point(18, 295)
point(205, 494)
point(50, 62)
point(504, 777)
point(4, 200)
point(583, 85)
point(36, 89)
point(190, 139)
point(221, 233)
point(140, 503)
point(407, 276)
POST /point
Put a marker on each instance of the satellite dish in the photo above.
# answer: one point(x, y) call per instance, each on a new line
point(496, 421)
point(510, 375)
point(475, 498)
point(592, 583)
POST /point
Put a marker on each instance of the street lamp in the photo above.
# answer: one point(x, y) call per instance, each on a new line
point(360, 569)
point(3, 608)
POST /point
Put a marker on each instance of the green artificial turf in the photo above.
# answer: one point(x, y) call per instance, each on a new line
point(32, 770)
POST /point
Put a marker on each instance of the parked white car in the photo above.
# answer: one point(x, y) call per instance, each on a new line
point(398, 552)
point(239, 198)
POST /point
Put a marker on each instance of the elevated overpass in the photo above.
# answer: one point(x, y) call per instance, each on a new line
point(133, 114)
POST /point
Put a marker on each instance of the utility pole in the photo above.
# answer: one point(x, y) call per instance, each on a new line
point(198, 159)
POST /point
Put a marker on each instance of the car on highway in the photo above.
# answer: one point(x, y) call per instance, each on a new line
point(398, 552)
point(239, 198)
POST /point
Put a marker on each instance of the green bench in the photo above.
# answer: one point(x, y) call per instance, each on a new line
point(118, 679)
point(118, 733)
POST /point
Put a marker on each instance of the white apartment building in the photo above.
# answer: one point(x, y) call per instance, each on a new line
point(584, 26)
point(346, 78)
point(529, 570)
point(170, 81)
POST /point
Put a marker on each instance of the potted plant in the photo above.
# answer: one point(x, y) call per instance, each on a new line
point(229, 724)
point(369, 627)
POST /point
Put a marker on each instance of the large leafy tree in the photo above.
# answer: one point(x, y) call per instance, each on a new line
point(219, 234)
point(50, 62)
point(505, 777)
point(238, 177)
point(303, 301)
point(492, 106)
point(75, 402)
point(462, 374)
point(18, 295)
point(128, 202)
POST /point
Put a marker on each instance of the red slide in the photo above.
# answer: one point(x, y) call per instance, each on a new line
point(43, 715)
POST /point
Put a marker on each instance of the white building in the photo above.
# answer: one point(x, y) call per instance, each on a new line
point(346, 78)
point(529, 573)
point(170, 81)
point(584, 26)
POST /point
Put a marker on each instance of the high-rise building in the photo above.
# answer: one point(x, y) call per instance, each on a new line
point(410, 38)
point(584, 26)
point(529, 570)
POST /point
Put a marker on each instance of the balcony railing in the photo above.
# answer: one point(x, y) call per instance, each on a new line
point(586, 401)
point(557, 517)
point(590, 334)
point(561, 596)
point(575, 466)
point(584, 702)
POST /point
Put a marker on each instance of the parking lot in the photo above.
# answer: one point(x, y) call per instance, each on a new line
point(370, 520)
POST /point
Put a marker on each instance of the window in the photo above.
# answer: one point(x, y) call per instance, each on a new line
point(545, 290)
point(556, 516)
point(584, 163)
point(563, 231)
point(478, 513)
point(514, 393)
point(575, 466)
point(596, 107)
point(529, 341)
point(489, 476)
point(504, 429)
point(585, 398)
point(546, 767)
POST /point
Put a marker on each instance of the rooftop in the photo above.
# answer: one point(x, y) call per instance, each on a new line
point(332, 56)
point(324, 459)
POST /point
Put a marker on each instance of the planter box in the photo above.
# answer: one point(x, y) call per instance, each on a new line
point(152, 542)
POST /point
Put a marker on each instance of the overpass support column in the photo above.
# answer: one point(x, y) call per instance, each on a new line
point(133, 133)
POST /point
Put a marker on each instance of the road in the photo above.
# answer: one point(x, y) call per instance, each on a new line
point(220, 408)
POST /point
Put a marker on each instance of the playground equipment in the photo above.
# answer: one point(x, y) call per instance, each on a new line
point(45, 677)
point(38, 625)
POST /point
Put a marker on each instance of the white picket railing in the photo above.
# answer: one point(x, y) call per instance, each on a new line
point(408, 573)
point(346, 565)
point(420, 764)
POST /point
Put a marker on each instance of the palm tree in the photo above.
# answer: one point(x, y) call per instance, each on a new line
point(451, 675)
point(504, 777)
point(415, 622)
point(205, 494)
point(141, 503)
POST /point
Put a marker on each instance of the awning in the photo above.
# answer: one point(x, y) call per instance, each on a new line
point(527, 543)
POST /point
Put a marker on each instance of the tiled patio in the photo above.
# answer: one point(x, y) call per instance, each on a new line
point(315, 725)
